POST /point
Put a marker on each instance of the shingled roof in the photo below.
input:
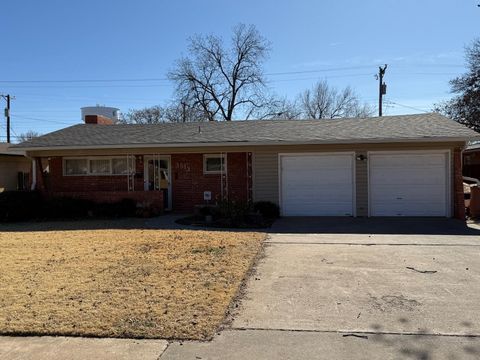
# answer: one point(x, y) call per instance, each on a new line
point(421, 127)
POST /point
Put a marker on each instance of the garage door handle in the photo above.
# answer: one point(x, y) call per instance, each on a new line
point(399, 198)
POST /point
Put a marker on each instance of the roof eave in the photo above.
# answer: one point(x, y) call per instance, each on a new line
point(248, 143)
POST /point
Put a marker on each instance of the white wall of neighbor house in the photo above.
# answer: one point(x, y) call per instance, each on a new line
point(266, 168)
point(10, 166)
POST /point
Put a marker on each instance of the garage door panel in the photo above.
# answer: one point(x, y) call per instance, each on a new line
point(299, 182)
point(425, 192)
point(396, 161)
point(410, 176)
point(419, 209)
point(317, 185)
point(335, 208)
point(408, 184)
point(313, 196)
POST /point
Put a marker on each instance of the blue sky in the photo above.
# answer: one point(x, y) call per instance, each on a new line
point(341, 41)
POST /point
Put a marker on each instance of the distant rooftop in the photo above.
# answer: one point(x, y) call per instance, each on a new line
point(4, 150)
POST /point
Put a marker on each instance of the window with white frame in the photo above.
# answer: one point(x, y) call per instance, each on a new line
point(96, 166)
point(214, 163)
point(119, 166)
point(75, 166)
point(100, 166)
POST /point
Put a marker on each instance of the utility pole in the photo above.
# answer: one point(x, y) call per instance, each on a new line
point(7, 115)
point(382, 88)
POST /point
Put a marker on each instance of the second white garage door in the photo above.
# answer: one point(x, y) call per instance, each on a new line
point(409, 184)
point(317, 185)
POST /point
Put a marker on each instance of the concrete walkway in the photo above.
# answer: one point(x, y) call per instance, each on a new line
point(76, 348)
point(297, 345)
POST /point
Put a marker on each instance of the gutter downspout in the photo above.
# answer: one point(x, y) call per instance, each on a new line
point(34, 174)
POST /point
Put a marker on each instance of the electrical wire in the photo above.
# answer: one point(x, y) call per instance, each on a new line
point(48, 81)
point(406, 106)
point(41, 119)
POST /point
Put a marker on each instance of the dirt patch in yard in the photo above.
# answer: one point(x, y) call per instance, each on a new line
point(121, 283)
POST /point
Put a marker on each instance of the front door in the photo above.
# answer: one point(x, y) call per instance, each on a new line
point(157, 177)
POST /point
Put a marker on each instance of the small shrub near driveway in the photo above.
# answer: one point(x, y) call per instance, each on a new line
point(267, 209)
point(121, 283)
point(234, 214)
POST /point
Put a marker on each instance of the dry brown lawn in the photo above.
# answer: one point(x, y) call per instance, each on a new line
point(121, 283)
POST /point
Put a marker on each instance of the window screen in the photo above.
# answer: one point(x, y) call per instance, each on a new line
point(119, 166)
point(214, 164)
point(76, 167)
point(100, 166)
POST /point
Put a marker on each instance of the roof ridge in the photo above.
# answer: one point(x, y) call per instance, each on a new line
point(199, 123)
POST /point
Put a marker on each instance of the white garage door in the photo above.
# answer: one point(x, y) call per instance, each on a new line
point(317, 185)
point(409, 184)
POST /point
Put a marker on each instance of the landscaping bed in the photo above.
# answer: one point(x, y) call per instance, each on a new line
point(140, 283)
point(231, 214)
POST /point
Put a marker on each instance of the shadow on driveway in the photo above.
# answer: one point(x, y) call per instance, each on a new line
point(348, 225)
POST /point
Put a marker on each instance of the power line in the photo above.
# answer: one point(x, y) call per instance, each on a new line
point(14, 133)
point(42, 119)
point(171, 85)
point(49, 81)
point(316, 78)
point(86, 86)
point(318, 70)
point(407, 106)
point(166, 79)
point(83, 80)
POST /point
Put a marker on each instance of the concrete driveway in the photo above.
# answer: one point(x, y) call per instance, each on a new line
point(357, 289)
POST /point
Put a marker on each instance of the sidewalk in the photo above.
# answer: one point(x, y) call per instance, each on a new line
point(77, 348)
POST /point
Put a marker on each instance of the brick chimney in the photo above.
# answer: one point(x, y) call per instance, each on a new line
point(98, 119)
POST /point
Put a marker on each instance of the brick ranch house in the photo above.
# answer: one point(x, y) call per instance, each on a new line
point(406, 165)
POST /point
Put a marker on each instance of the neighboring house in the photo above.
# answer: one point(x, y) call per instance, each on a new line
point(14, 169)
point(390, 166)
point(471, 161)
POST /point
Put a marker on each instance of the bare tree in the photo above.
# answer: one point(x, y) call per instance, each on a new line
point(279, 109)
point(221, 81)
point(326, 102)
point(27, 136)
point(159, 114)
point(148, 115)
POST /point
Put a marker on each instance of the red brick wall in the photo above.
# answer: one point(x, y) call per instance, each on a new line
point(189, 182)
point(59, 183)
point(98, 119)
point(458, 196)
